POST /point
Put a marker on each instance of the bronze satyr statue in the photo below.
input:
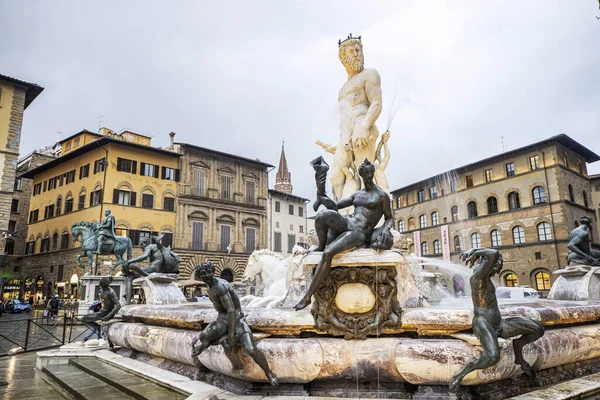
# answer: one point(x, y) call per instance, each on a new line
point(338, 233)
point(161, 260)
point(488, 324)
point(230, 329)
point(580, 250)
point(110, 305)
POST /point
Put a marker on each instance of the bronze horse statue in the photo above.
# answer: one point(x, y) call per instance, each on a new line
point(89, 242)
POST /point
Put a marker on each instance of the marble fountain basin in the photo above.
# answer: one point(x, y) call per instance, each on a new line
point(430, 347)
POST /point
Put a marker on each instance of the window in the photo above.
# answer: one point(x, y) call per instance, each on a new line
point(55, 241)
point(488, 175)
point(37, 189)
point(18, 184)
point(197, 233)
point(58, 206)
point(544, 231)
point(492, 205)
point(534, 162)
point(457, 246)
point(411, 224)
point(199, 179)
point(454, 212)
point(125, 165)
point(277, 206)
point(250, 240)
point(435, 218)
point(571, 195)
point(226, 187)
point(291, 209)
point(170, 174)
point(150, 170)
point(476, 241)
point(579, 167)
point(277, 240)
point(513, 201)
point(585, 199)
point(250, 195)
point(12, 226)
point(49, 211)
point(225, 237)
point(64, 241)
point(76, 142)
point(496, 238)
point(167, 239)
point(542, 281)
point(421, 195)
point(68, 146)
point(276, 224)
point(96, 197)
point(144, 236)
point(518, 235)
point(51, 183)
point(301, 228)
point(453, 185)
point(169, 204)
point(68, 205)
point(291, 227)
point(33, 216)
point(538, 255)
point(70, 176)
point(510, 169)
point(510, 280)
point(472, 209)
point(14, 207)
point(121, 231)
point(301, 211)
point(147, 200)
point(30, 247)
point(401, 226)
point(423, 221)
point(469, 179)
point(424, 249)
point(61, 180)
point(539, 195)
point(45, 245)
point(9, 247)
point(291, 242)
point(123, 197)
point(100, 165)
point(432, 192)
point(565, 159)
point(81, 201)
point(84, 171)
point(437, 247)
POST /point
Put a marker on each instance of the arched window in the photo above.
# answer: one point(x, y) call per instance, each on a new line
point(542, 280)
point(476, 241)
point(585, 199)
point(55, 241)
point(544, 231)
point(147, 199)
point(472, 209)
point(454, 212)
point(435, 218)
point(510, 280)
point(411, 224)
point(58, 206)
point(571, 195)
point(121, 230)
point(565, 159)
point(457, 246)
point(423, 221)
point(424, 249)
point(169, 202)
point(518, 235)
point(68, 204)
point(401, 226)
point(227, 274)
point(513, 201)
point(437, 247)
point(539, 195)
point(492, 205)
point(496, 237)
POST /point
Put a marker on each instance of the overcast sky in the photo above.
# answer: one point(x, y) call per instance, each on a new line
point(243, 76)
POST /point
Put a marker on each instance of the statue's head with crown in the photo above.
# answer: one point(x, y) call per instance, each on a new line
point(350, 52)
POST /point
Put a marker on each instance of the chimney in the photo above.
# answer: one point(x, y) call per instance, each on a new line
point(172, 139)
point(58, 136)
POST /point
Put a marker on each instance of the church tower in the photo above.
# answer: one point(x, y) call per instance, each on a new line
point(283, 180)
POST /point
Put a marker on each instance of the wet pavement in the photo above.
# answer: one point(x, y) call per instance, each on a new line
point(23, 382)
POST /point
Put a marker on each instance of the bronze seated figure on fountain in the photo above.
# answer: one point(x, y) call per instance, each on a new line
point(580, 251)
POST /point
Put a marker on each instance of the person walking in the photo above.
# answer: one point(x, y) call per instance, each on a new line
point(95, 307)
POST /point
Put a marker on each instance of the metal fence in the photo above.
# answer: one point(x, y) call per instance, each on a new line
point(40, 333)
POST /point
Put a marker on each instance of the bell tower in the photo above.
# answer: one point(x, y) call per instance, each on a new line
point(283, 179)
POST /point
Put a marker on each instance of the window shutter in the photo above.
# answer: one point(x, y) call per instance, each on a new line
point(134, 167)
point(163, 172)
point(132, 199)
point(80, 172)
point(101, 196)
point(91, 199)
point(96, 167)
point(119, 164)
point(142, 168)
point(177, 173)
point(115, 196)
point(156, 168)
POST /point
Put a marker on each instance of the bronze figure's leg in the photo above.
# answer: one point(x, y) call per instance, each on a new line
point(346, 241)
point(213, 332)
point(249, 345)
point(486, 334)
point(529, 330)
point(328, 220)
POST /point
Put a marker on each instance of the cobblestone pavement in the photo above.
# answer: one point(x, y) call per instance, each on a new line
point(42, 332)
point(23, 382)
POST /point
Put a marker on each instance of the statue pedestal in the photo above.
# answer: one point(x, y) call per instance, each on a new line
point(577, 282)
point(90, 291)
point(160, 289)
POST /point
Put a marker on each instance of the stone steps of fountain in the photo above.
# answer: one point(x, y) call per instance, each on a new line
point(587, 387)
point(88, 378)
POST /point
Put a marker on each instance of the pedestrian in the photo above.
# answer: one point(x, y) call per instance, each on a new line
point(95, 307)
point(54, 306)
point(1, 307)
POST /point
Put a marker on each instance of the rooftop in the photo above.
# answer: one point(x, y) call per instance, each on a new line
point(90, 146)
point(79, 133)
point(33, 90)
point(221, 153)
point(281, 194)
point(597, 176)
point(563, 139)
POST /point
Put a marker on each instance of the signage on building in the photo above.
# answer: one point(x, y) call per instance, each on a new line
point(11, 287)
point(417, 242)
point(445, 243)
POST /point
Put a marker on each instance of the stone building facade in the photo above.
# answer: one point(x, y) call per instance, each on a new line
point(221, 210)
point(287, 222)
point(523, 202)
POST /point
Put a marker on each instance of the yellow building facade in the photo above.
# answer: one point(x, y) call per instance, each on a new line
point(138, 183)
